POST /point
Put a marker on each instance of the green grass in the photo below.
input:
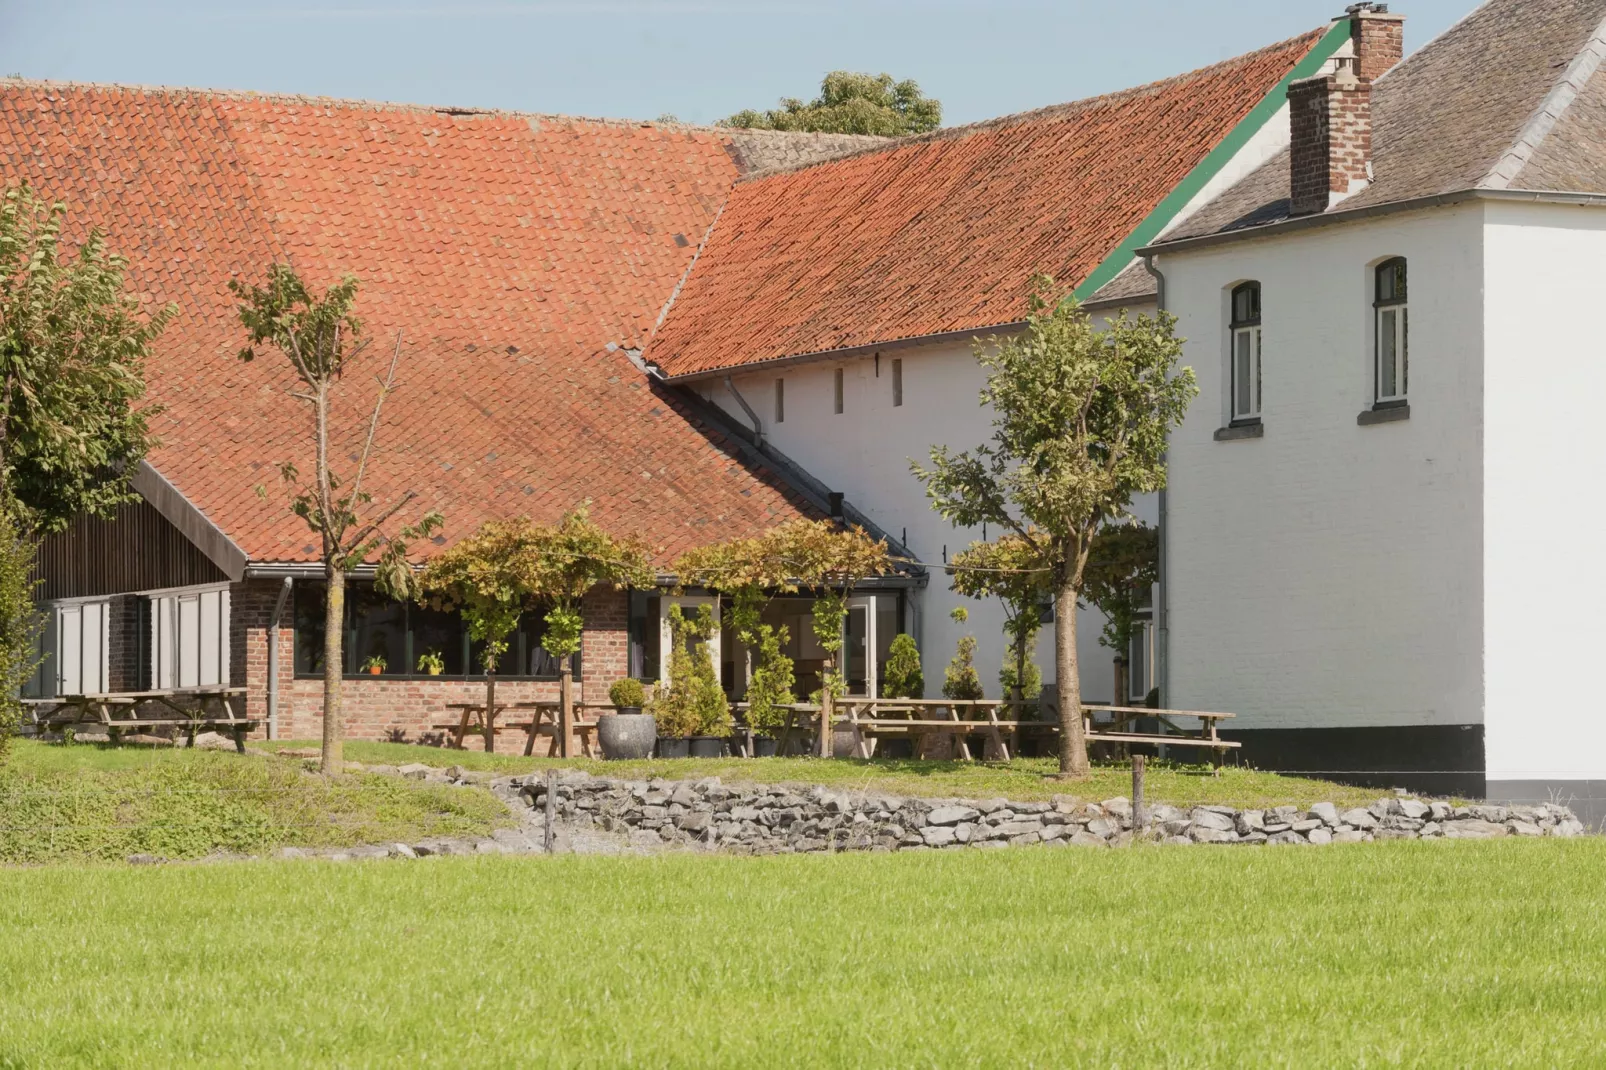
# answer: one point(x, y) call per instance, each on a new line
point(1024, 779)
point(1418, 954)
point(93, 802)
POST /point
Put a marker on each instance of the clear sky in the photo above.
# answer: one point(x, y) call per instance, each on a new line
point(696, 59)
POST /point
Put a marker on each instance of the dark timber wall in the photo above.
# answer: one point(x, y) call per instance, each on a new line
point(136, 550)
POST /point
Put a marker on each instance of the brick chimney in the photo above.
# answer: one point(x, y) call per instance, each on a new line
point(1330, 115)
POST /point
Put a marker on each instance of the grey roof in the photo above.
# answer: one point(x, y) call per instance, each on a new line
point(758, 151)
point(1511, 97)
point(1134, 284)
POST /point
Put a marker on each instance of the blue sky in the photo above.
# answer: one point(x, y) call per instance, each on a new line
point(697, 59)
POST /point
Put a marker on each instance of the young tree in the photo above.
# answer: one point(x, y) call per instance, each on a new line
point(851, 103)
point(1122, 569)
point(960, 681)
point(904, 678)
point(511, 567)
point(1080, 421)
point(696, 704)
point(321, 337)
point(73, 346)
point(1007, 569)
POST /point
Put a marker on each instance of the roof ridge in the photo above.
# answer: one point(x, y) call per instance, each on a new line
point(1537, 127)
point(1070, 107)
point(400, 106)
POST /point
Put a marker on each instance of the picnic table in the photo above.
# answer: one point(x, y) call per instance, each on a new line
point(193, 709)
point(545, 718)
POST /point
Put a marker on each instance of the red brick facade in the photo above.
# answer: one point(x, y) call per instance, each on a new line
point(378, 706)
point(1331, 125)
point(1379, 41)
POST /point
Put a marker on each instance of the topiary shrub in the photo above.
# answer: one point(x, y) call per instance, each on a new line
point(902, 677)
point(627, 694)
point(695, 704)
point(960, 680)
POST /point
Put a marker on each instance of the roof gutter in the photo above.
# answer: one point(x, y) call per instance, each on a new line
point(1374, 211)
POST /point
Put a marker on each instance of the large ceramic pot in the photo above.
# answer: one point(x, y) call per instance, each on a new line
point(627, 734)
point(707, 746)
point(670, 747)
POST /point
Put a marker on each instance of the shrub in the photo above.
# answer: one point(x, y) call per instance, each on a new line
point(627, 693)
point(960, 680)
point(695, 705)
point(902, 675)
point(772, 681)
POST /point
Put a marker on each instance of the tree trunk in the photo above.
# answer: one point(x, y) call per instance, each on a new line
point(565, 703)
point(827, 705)
point(1068, 685)
point(334, 663)
point(1122, 690)
point(490, 709)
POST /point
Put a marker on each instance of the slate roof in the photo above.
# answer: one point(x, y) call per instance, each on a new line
point(520, 255)
point(940, 233)
point(1511, 97)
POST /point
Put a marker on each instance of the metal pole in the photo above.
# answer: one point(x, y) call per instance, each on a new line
point(551, 804)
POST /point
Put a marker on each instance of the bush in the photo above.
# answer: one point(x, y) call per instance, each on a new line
point(696, 704)
point(903, 678)
point(960, 680)
point(772, 682)
point(627, 693)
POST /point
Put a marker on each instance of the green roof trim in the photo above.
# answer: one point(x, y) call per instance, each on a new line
point(1212, 164)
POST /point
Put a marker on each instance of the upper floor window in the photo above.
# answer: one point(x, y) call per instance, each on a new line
point(1392, 348)
point(839, 389)
point(1245, 329)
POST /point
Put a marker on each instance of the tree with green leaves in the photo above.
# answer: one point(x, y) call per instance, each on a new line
point(1080, 421)
point(322, 338)
point(1007, 569)
point(511, 567)
point(695, 704)
point(1122, 569)
point(902, 677)
point(851, 103)
point(73, 426)
point(959, 680)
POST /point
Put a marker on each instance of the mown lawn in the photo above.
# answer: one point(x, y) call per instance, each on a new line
point(1419, 954)
point(1024, 779)
point(94, 802)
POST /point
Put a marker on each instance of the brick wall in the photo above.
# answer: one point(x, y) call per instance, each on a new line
point(1331, 139)
point(125, 645)
point(1379, 41)
point(376, 706)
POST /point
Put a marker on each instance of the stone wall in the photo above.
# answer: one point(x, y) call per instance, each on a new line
point(785, 819)
point(377, 706)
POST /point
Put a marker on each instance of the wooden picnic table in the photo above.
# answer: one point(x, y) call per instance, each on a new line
point(544, 721)
point(193, 709)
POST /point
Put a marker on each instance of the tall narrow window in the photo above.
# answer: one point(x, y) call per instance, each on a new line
point(839, 391)
point(897, 381)
point(1392, 371)
point(1245, 328)
point(780, 401)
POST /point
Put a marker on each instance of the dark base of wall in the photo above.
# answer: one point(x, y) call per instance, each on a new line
point(1433, 759)
point(1586, 797)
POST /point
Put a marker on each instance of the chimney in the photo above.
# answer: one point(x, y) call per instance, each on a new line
point(1330, 115)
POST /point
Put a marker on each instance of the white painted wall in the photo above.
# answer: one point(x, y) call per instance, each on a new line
point(1544, 582)
point(865, 454)
point(1329, 574)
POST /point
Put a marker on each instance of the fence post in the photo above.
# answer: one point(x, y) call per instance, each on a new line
point(551, 804)
point(1139, 814)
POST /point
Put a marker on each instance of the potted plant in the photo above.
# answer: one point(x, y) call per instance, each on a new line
point(628, 732)
point(374, 665)
point(431, 662)
point(693, 718)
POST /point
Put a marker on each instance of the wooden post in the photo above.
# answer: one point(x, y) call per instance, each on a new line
point(565, 707)
point(1139, 814)
point(551, 804)
point(827, 715)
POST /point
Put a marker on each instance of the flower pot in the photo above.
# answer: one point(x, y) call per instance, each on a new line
point(375, 670)
point(669, 747)
point(708, 746)
point(764, 746)
point(625, 735)
point(434, 672)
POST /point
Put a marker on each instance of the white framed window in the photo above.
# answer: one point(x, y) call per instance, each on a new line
point(1245, 354)
point(839, 390)
point(1140, 662)
point(75, 646)
point(1391, 350)
point(189, 639)
point(897, 381)
point(780, 401)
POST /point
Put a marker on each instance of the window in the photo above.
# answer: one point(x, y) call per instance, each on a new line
point(1140, 662)
point(1392, 363)
point(897, 381)
point(780, 401)
point(72, 648)
point(839, 391)
point(189, 639)
point(1245, 329)
point(394, 635)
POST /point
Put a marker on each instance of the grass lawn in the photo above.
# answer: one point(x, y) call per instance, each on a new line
point(1421, 954)
point(1024, 779)
point(94, 802)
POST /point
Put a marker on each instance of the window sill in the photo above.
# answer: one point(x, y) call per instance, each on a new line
point(1246, 429)
point(1384, 413)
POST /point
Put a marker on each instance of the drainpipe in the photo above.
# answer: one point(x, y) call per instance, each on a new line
point(273, 658)
point(1162, 609)
point(758, 427)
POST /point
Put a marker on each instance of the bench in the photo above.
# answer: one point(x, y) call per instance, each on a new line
point(96, 709)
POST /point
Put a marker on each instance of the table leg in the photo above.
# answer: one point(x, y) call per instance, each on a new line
point(462, 730)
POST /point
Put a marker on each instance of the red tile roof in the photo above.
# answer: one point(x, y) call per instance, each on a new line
point(940, 233)
point(511, 250)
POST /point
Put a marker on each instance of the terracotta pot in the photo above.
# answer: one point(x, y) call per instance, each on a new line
point(376, 670)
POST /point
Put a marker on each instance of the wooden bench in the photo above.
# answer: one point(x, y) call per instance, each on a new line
point(97, 709)
point(543, 722)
